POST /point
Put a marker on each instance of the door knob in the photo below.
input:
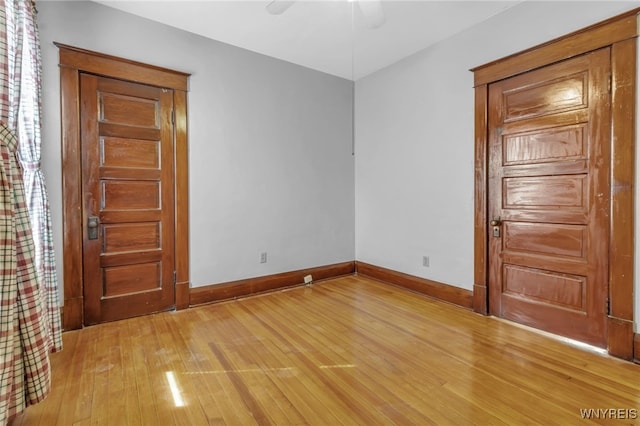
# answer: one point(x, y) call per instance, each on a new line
point(495, 223)
point(92, 227)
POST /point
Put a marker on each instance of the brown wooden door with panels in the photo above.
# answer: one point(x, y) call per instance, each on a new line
point(127, 147)
point(548, 202)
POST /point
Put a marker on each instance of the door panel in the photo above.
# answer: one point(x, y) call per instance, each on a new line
point(549, 192)
point(545, 238)
point(127, 182)
point(546, 146)
point(550, 287)
point(546, 97)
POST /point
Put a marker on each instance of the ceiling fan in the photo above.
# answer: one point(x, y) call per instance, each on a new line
point(371, 10)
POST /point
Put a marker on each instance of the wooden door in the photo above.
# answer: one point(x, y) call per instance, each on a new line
point(549, 156)
point(128, 198)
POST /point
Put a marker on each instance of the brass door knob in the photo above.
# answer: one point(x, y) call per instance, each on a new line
point(495, 221)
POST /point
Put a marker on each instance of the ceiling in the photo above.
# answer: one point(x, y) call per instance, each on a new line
point(326, 35)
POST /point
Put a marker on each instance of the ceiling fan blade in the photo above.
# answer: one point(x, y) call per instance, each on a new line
point(278, 7)
point(372, 13)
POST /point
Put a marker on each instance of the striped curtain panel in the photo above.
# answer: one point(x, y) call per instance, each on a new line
point(30, 325)
point(23, 116)
point(24, 343)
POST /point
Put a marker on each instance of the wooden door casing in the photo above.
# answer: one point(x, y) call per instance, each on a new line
point(127, 151)
point(620, 34)
point(549, 155)
point(73, 63)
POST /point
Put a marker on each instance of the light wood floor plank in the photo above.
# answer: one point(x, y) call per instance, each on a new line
point(348, 351)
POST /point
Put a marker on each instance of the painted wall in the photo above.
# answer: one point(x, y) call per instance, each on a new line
point(271, 165)
point(414, 142)
point(270, 146)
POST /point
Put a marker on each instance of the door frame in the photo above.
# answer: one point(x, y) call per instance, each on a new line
point(620, 34)
point(73, 61)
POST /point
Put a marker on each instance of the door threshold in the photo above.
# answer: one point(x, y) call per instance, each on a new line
point(571, 342)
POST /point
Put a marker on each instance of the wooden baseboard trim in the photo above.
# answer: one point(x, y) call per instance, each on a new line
point(620, 338)
point(480, 299)
point(444, 292)
point(636, 348)
point(72, 313)
point(182, 295)
point(251, 286)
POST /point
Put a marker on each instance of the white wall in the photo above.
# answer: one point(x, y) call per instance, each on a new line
point(414, 141)
point(271, 167)
point(270, 150)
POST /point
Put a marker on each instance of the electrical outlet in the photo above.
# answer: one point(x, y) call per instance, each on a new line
point(263, 257)
point(308, 279)
point(425, 261)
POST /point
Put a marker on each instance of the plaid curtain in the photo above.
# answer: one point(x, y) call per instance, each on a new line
point(29, 319)
point(24, 344)
point(23, 111)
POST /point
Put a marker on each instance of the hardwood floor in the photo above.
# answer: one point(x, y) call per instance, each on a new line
point(345, 351)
